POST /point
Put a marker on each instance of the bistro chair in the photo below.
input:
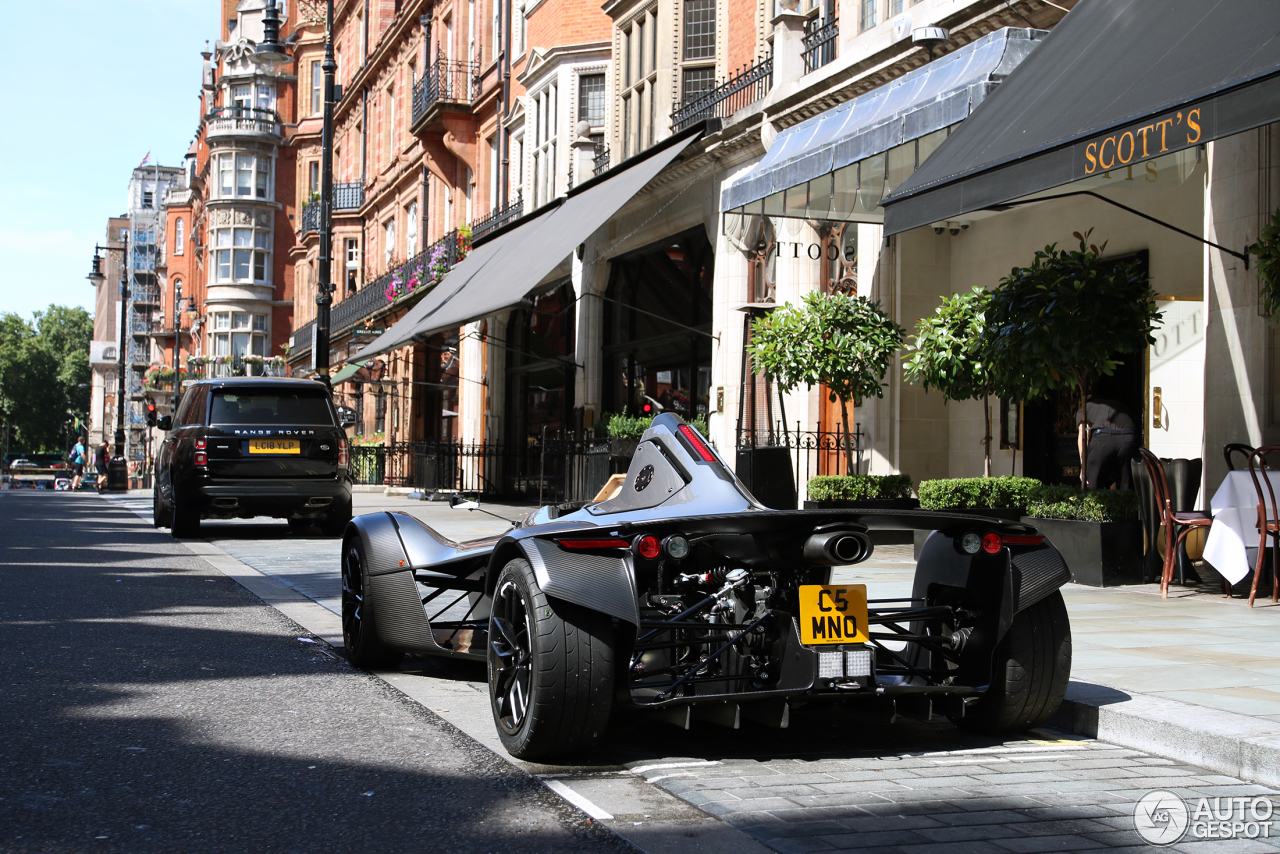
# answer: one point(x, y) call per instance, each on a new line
point(1232, 448)
point(1176, 524)
point(1268, 524)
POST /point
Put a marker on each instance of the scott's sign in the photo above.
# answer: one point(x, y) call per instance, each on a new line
point(1172, 132)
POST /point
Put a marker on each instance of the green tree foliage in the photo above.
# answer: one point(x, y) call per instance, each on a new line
point(42, 366)
point(843, 341)
point(1064, 320)
point(946, 355)
point(1267, 249)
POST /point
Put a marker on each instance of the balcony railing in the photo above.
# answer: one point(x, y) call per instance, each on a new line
point(311, 216)
point(233, 120)
point(236, 366)
point(601, 162)
point(743, 89)
point(346, 197)
point(446, 81)
point(417, 275)
point(140, 354)
point(498, 218)
point(820, 40)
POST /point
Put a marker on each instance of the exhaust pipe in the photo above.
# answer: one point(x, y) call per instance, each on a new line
point(223, 503)
point(837, 548)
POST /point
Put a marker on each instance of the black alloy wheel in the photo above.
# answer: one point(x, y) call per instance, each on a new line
point(510, 657)
point(551, 668)
point(359, 629)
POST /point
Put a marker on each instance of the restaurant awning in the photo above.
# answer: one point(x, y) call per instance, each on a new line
point(1117, 82)
point(816, 163)
point(345, 372)
point(500, 272)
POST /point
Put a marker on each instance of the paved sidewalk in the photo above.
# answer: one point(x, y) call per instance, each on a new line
point(1195, 678)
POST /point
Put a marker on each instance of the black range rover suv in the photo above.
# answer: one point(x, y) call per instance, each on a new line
point(253, 446)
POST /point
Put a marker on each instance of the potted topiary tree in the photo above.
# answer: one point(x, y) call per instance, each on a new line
point(946, 355)
point(1064, 320)
point(843, 342)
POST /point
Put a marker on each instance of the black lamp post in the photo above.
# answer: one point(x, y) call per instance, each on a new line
point(324, 279)
point(177, 343)
point(96, 276)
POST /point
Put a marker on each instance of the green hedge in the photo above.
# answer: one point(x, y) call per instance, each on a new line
point(859, 487)
point(1055, 501)
point(619, 425)
point(962, 493)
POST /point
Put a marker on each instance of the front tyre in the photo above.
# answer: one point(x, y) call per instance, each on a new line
point(1030, 671)
point(359, 626)
point(550, 668)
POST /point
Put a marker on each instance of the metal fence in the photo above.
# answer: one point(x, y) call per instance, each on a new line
point(746, 87)
point(448, 81)
point(812, 452)
point(549, 471)
point(821, 37)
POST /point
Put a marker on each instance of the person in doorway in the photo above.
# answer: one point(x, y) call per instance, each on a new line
point(1112, 436)
point(100, 463)
point(77, 464)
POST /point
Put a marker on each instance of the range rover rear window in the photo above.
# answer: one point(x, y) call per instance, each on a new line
point(270, 408)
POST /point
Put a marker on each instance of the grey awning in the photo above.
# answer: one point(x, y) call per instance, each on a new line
point(512, 264)
point(1117, 82)
point(922, 102)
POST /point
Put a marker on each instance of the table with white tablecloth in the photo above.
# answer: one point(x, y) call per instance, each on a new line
point(1232, 545)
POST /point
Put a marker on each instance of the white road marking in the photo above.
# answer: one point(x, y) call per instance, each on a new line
point(576, 799)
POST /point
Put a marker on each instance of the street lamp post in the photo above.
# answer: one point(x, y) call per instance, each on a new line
point(96, 276)
point(324, 280)
point(177, 343)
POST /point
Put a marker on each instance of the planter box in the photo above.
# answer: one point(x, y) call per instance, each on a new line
point(623, 448)
point(1008, 514)
point(766, 472)
point(879, 538)
point(1099, 554)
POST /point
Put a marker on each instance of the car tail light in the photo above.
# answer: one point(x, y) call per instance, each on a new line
point(647, 546)
point(201, 444)
point(991, 543)
point(698, 445)
point(1022, 540)
point(583, 545)
point(202, 458)
point(342, 452)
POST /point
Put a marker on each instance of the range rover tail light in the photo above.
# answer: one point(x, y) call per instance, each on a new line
point(202, 454)
point(342, 452)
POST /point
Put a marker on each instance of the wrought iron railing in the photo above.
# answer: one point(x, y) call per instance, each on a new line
point(242, 119)
point(348, 196)
point(450, 81)
point(601, 161)
point(746, 87)
point(498, 218)
point(546, 470)
point(820, 40)
point(311, 216)
point(812, 452)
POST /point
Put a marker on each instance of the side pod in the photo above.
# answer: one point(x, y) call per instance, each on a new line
point(600, 582)
point(390, 590)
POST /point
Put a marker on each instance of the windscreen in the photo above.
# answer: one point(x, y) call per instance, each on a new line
point(270, 407)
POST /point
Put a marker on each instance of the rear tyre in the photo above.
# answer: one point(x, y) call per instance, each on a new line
point(551, 669)
point(359, 622)
point(1030, 671)
point(184, 519)
point(157, 519)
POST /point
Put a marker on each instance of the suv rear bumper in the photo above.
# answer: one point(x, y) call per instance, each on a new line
point(282, 498)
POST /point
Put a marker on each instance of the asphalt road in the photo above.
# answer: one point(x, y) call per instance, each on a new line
point(151, 704)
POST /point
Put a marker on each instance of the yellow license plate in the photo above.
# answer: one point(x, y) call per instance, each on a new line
point(833, 613)
point(274, 446)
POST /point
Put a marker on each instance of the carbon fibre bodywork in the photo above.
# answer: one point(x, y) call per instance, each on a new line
point(714, 617)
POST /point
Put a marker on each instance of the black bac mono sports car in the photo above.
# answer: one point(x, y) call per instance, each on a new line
point(681, 596)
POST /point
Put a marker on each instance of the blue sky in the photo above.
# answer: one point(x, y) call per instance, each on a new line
point(89, 87)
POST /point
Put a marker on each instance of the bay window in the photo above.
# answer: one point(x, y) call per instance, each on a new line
point(241, 254)
point(239, 334)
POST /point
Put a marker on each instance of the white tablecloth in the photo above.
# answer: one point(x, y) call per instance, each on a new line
point(1232, 545)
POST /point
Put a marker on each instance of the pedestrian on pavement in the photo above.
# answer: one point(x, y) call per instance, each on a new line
point(77, 464)
point(100, 463)
point(1110, 431)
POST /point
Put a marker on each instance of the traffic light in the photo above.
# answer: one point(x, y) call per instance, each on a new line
point(151, 413)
